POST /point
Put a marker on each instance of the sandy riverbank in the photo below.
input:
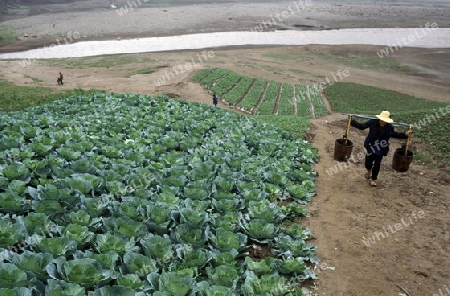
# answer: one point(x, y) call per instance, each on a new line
point(103, 23)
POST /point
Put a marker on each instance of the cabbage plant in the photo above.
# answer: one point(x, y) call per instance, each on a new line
point(11, 233)
point(33, 263)
point(84, 272)
point(264, 266)
point(171, 282)
point(11, 276)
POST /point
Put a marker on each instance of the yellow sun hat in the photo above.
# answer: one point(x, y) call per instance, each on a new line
point(385, 116)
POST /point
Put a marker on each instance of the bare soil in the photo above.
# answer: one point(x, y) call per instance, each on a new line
point(406, 215)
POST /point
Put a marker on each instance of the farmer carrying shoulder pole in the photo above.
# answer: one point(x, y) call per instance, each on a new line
point(377, 142)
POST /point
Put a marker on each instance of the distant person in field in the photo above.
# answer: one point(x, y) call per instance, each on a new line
point(60, 79)
point(377, 142)
point(215, 99)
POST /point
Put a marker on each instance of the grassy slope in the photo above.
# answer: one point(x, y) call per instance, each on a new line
point(14, 98)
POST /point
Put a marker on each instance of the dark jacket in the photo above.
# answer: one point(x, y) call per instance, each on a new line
point(378, 137)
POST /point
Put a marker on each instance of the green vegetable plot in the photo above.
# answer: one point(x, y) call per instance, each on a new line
point(200, 75)
point(358, 98)
point(121, 194)
point(238, 92)
point(267, 104)
point(262, 98)
point(213, 76)
point(303, 107)
point(253, 95)
point(286, 100)
point(317, 101)
point(226, 84)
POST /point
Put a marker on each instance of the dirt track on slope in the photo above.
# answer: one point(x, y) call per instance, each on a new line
point(347, 211)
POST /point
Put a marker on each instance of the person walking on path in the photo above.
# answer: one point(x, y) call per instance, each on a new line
point(377, 142)
point(215, 99)
point(60, 79)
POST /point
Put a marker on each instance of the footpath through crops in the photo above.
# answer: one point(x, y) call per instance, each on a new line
point(120, 194)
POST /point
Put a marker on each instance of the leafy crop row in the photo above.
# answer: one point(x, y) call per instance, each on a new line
point(270, 96)
point(285, 102)
point(216, 74)
point(120, 194)
point(317, 101)
point(303, 107)
point(251, 99)
point(225, 84)
point(239, 90)
point(201, 74)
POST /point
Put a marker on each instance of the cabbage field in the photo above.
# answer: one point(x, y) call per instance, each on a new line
point(123, 194)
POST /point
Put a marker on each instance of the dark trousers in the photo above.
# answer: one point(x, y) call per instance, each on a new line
point(373, 163)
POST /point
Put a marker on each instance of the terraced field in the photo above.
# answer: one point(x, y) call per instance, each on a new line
point(262, 97)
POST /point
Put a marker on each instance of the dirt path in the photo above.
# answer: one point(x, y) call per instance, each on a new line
point(347, 211)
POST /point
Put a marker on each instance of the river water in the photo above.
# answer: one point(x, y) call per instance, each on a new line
point(392, 38)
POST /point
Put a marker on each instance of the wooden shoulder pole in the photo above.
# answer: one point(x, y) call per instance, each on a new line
point(408, 140)
point(348, 129)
